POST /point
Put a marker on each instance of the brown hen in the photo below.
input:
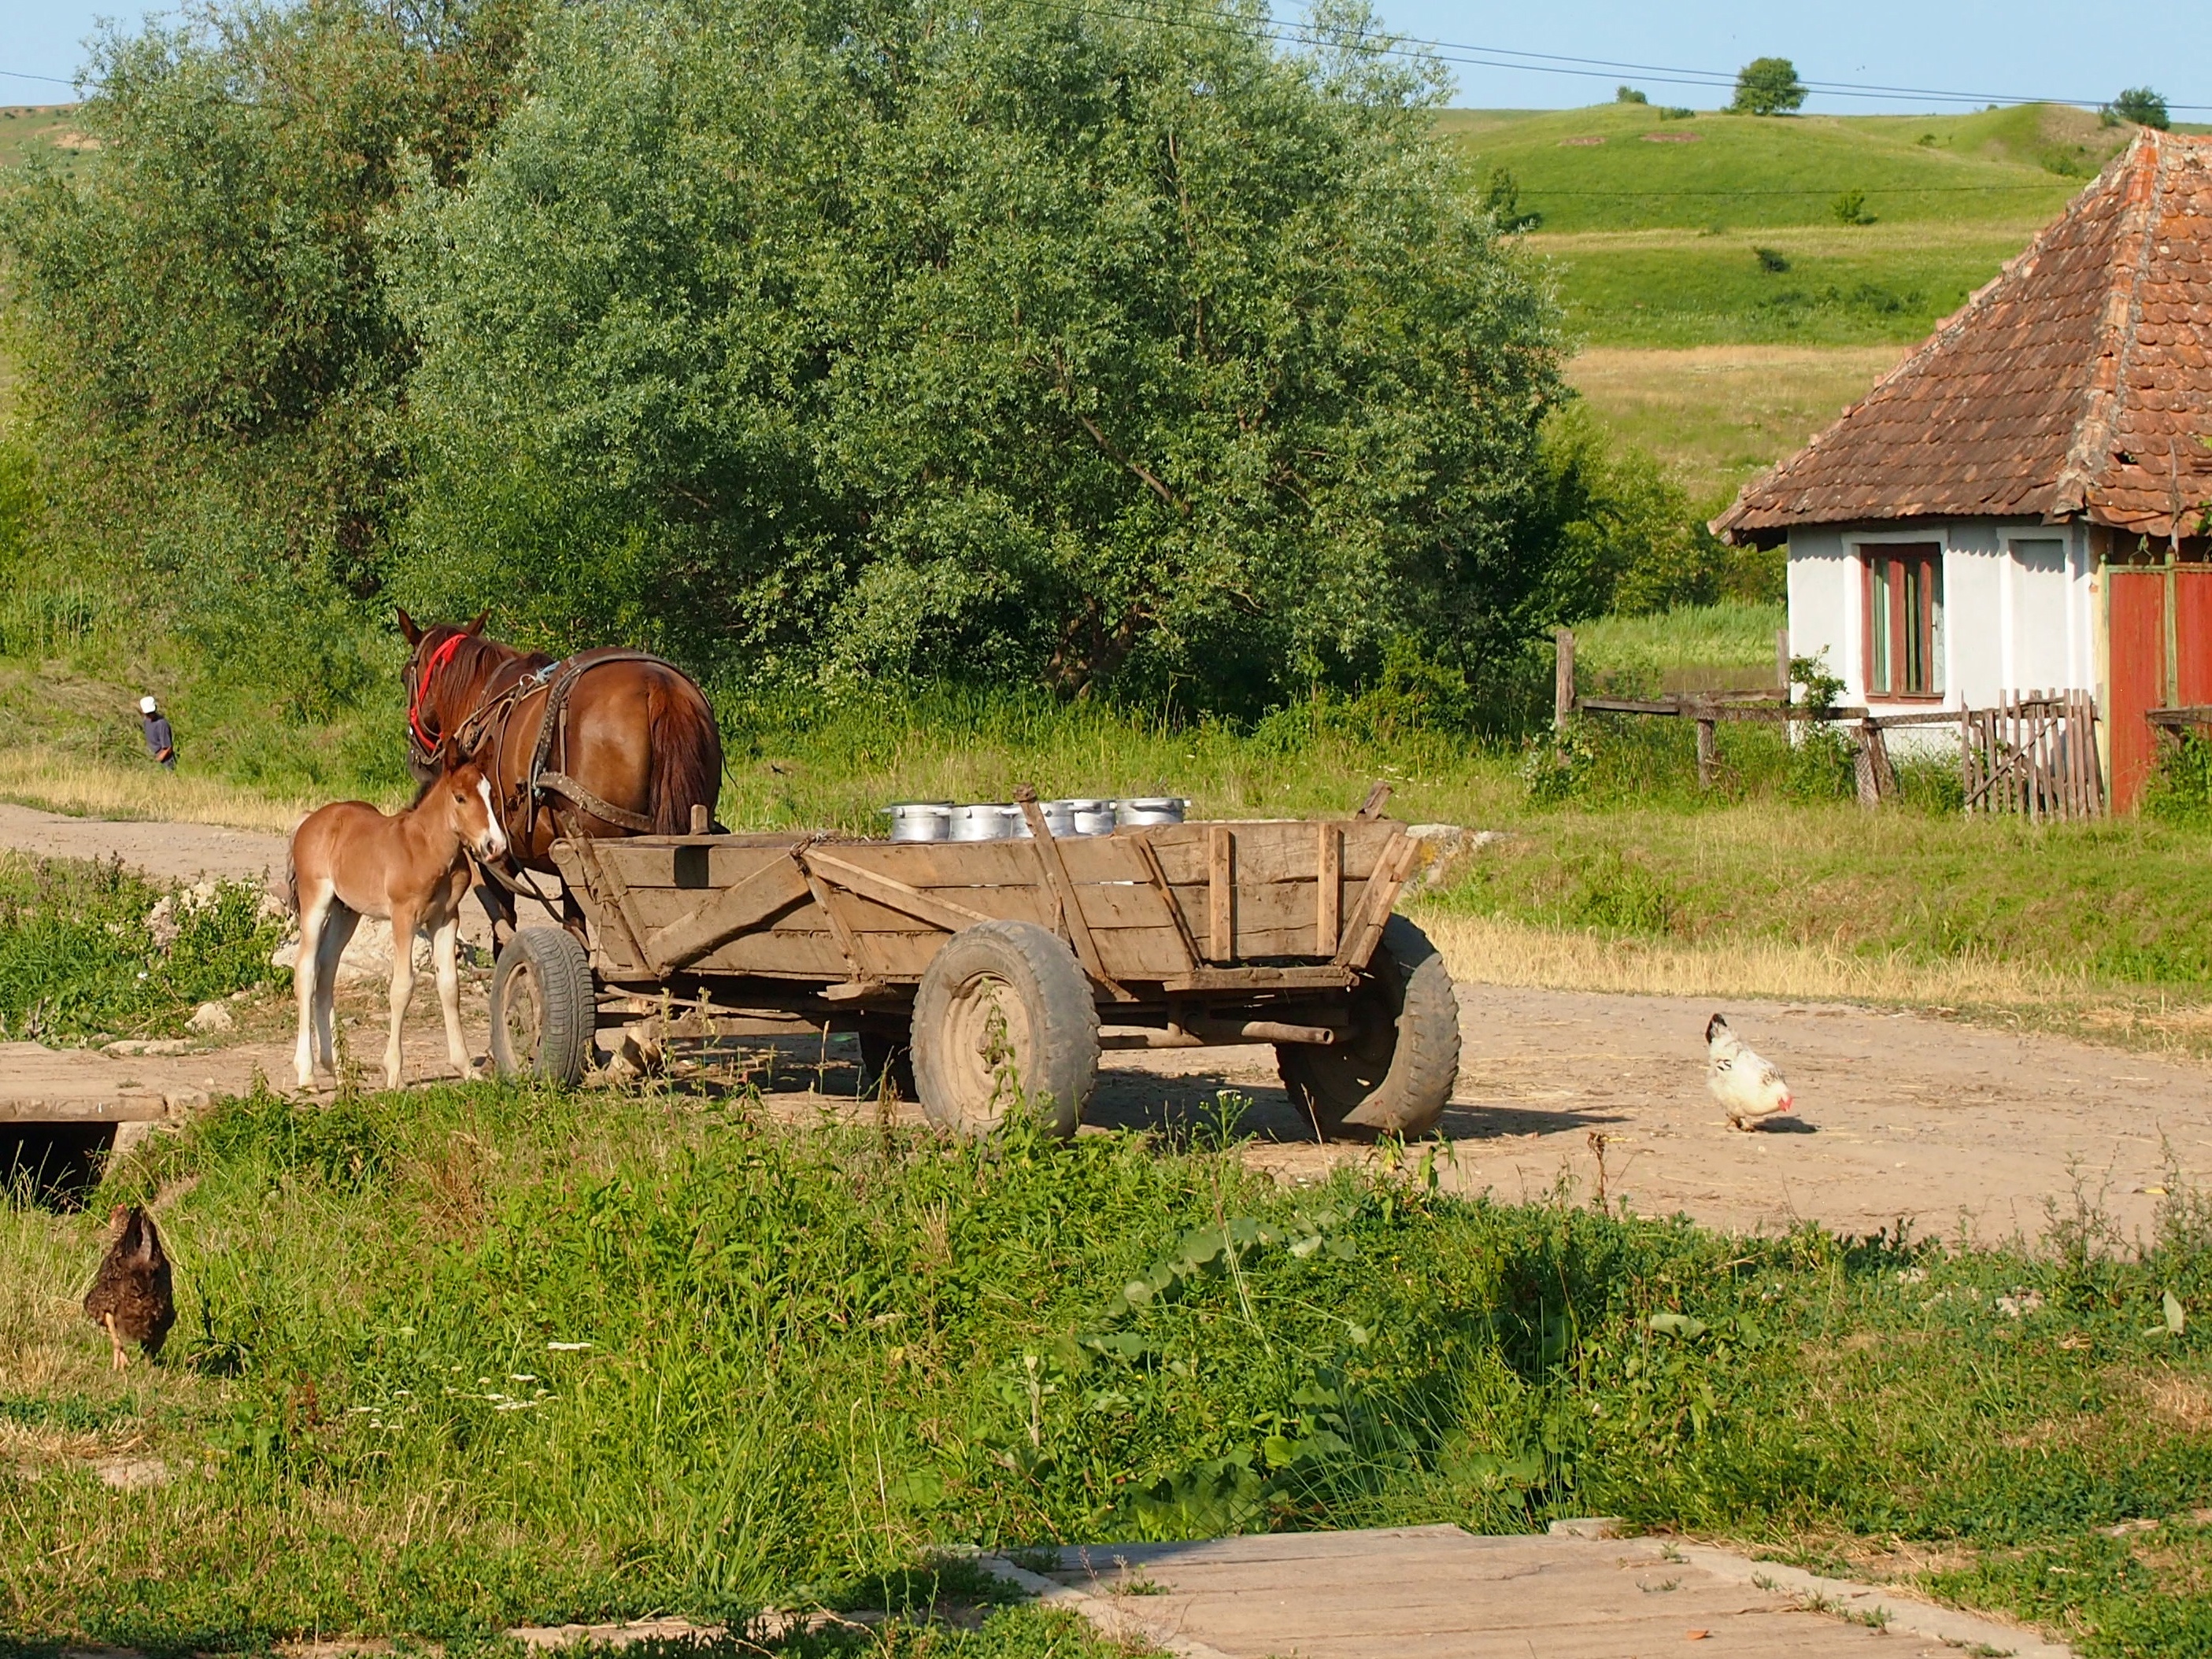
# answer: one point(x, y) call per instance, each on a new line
point(131, 1298)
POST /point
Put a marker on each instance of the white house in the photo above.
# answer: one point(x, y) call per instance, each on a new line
point(2021, 505)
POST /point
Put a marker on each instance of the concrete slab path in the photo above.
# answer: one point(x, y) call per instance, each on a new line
point(1440, 1593)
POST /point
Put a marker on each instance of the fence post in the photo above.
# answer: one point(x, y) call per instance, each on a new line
point(1782, 661)
point(1563, 679)
point(1966, 756)
point(1708, 752)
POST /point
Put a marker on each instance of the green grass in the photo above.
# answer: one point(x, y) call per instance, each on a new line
point(1624, 650)
point(45, 131)
point(814, 1356)
point(1876, 284)
point(1777, 851)
point(1655, 231)
point(87, 952)
point(1749, 173)
point(1715, 415)
point(2125, 903)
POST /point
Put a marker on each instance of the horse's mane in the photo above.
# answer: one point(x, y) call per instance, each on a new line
point(477, 668)
point(476, 662)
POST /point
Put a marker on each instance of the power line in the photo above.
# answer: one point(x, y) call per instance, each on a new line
point(1478, 56)
point(1598, 69)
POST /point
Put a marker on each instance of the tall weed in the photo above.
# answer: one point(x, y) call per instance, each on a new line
point(93, 951)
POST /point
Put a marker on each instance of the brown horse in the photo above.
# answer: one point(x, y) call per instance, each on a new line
point(631, 748)
point(349, 861)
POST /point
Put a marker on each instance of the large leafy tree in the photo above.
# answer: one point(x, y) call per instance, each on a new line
point(2142, 107)
point(1768, 86)
point(1110, 348)
point(215, 371)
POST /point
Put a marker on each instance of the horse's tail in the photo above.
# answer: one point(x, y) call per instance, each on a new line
point(285, 888)
point(687, 757)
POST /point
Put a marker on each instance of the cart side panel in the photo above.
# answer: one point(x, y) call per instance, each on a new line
point(1269, 852)
point(1258, 884)
point(1277, 919)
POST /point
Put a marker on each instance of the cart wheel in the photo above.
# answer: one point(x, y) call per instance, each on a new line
point(544, 1007)
point(1394, 1075)
point(1004, 1003)
point(881, 1052)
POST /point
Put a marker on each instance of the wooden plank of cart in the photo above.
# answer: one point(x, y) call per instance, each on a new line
point(971, 970)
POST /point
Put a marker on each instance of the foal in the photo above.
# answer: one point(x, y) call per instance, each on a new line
point(349, 861)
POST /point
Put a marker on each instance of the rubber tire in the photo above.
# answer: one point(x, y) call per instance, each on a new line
point(1395, 1074)
point(881, 1051)
point(1052, 1026)
point(548, 962)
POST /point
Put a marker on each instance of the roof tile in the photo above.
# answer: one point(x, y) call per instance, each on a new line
point(2018, 403)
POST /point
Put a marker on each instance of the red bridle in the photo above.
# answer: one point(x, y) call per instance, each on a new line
point(439, 658)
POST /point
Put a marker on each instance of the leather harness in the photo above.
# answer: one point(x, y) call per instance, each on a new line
point(491, 718)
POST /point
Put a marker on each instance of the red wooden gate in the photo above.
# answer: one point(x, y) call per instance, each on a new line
point(2135, 600)
point(2142, 677)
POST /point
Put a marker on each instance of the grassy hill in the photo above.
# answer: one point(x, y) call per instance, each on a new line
point(1814, 284)
point(1723, 306)
point(1625, 167)
point(48, 129)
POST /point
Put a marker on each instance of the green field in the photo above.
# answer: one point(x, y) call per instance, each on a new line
point(1677, 246)
point(47, 131)
point(1742, 172)
point(1808, 284)
point(1717, 414)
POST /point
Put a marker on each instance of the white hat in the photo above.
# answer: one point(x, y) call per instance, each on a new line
point(145, 705)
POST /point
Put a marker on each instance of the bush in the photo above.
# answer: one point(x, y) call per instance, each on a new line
point(92, 951)
point(1501, 199)
point(1143, 355)
point(1625, 537)
point(1850, 208)
point(2181, 789)
point(218, 358)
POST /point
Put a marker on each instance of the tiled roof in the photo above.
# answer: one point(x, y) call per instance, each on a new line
point(2078, 382)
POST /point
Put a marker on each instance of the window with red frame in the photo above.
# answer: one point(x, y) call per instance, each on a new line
point(1904, 594)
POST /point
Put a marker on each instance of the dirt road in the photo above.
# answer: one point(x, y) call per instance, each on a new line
point(170, 852)
point(1956, 1130)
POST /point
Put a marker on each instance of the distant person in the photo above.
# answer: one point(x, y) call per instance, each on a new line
point(161, 741)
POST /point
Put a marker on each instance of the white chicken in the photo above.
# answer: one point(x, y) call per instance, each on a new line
point(1748, 1087)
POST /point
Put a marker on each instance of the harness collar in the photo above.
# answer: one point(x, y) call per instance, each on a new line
point(439, 658)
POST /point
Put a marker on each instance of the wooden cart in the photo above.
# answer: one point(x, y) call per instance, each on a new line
point(971, 970)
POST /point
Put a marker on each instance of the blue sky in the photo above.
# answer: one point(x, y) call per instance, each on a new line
point(1989, 49)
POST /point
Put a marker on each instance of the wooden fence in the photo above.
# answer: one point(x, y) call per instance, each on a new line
point(2035, 755)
